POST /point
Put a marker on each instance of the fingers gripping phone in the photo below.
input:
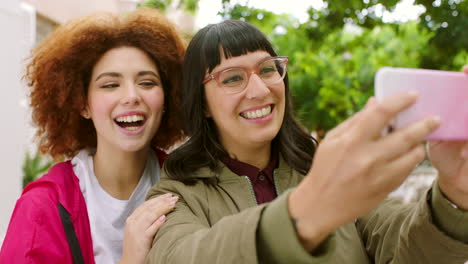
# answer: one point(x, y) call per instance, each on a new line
point(441, 93)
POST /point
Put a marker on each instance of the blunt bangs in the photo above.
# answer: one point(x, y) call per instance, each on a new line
point(236, 38)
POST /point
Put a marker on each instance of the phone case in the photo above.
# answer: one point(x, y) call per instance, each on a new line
point(441, 93)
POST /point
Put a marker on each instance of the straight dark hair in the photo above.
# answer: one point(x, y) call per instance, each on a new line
point(203, 148)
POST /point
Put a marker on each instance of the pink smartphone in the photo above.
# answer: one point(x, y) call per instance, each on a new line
point(441, 93)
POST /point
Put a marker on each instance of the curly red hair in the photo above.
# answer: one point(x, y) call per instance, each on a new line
point(60, 70)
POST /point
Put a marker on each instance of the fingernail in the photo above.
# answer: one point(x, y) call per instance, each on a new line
point(436, 120)
point(413, 93)
point(166, 195)
point(465, 69)
point(162, 218)
point(371, 100)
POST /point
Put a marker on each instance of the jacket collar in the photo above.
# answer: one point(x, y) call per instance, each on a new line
point(225, 173)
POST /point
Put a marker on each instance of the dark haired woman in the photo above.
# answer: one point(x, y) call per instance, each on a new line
point(246, 150)
point(102, 97)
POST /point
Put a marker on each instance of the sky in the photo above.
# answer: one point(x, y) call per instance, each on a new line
point(208, 10)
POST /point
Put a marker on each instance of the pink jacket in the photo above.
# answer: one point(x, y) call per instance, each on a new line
point(35, 233)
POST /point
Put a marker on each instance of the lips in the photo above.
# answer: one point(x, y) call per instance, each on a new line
point(131, 121)
point(257, 113)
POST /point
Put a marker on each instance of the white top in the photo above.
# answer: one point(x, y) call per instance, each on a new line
point(107, 214)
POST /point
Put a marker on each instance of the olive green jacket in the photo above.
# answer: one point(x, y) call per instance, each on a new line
point(217, 220)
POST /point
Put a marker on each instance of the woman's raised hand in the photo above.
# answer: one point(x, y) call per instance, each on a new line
point(450, 158)
point(142, 225)
point(355, 168)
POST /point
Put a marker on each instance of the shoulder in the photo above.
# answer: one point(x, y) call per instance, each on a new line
point(59, 173)
point(44, 192)
point(59, 185)
point(37, 207)
point(193, 186)
point(59, 176)
point(35, 231)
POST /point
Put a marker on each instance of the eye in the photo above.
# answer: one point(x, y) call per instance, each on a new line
point(267, 69)
point(110, 85)
point(148, 84)
point(232, 77)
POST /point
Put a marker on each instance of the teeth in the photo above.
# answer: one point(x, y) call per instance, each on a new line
point(131, 128)
point(131, 118)
point(259, 113)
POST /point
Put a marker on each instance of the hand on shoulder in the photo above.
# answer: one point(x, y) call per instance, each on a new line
point(141, 227)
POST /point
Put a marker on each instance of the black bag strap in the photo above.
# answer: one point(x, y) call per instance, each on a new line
point(71, 235)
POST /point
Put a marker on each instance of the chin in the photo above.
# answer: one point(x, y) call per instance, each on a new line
point(132, 147)
point(265, 137)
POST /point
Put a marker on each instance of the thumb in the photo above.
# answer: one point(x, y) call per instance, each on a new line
point(371, 101)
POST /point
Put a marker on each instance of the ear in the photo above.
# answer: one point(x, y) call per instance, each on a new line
point(86, 113)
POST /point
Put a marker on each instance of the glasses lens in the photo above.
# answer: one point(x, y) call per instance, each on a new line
point(233, 80)
point(272, 71)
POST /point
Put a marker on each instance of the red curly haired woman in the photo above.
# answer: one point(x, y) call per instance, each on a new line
point(102, 99)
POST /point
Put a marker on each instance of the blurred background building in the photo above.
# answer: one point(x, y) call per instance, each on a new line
point(24, 23)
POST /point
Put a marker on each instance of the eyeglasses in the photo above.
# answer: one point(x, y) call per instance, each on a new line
point(234, 80)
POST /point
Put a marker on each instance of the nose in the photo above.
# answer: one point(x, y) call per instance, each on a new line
point(256, 88)
point(131, 95)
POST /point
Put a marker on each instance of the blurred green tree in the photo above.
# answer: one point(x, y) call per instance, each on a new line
point(34, 167)
point(188, 5)
point(335, 54)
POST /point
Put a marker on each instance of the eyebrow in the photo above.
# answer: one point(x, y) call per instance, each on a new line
point(116, 74)
point(234, 67)
point(142, 73)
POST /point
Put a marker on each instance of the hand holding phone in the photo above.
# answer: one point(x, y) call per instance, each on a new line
point(441, 93)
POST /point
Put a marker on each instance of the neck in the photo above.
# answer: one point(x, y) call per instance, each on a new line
point(119, 172)
point(257, 156)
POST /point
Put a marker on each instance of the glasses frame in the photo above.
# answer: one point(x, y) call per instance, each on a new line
point(249, 71)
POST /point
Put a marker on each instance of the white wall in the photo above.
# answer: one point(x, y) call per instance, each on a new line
point(61, 11)
point(17, 24)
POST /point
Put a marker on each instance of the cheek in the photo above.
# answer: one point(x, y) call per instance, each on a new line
point(155, 100)
point(100, 106)
point(279, 92)
point(221, 106)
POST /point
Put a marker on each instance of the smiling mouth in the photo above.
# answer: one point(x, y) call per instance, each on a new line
point(259, 113)
point(130, 122)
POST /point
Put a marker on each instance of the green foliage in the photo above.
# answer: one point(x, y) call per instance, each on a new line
point(334, 55)
point(33, 167)
point(190, 6)
point(449, 20)
point(334, 81)
point(460, 59)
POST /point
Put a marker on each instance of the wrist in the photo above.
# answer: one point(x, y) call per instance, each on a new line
point(311, 228)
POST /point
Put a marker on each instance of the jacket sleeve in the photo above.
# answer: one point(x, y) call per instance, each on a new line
point(397, 233)
point(276, 223)
point(250, 236)
point(187, 238)
point(34, 233)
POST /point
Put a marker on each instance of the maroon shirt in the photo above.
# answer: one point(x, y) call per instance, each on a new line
point(262, 180)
